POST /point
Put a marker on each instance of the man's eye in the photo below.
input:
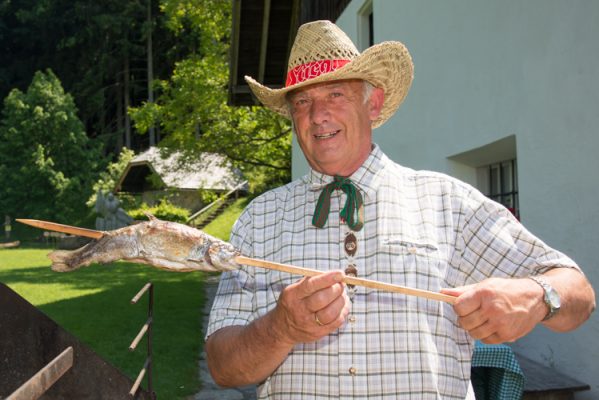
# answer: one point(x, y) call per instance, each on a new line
point(336, 94)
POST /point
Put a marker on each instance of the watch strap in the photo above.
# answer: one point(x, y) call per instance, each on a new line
point(546, 289)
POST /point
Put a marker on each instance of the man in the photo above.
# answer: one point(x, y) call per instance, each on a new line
point(359, 213)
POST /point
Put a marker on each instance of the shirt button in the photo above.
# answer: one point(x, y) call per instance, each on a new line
point(352, 319)
point(352, 371)
point(412, 250)
point(350, 244)
point(351, 271)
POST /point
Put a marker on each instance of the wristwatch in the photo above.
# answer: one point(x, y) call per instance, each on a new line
point(551, 297)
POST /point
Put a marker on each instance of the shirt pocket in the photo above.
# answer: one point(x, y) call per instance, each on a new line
point(413, 263)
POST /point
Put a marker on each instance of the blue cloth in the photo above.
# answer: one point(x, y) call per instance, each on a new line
point(496, 373)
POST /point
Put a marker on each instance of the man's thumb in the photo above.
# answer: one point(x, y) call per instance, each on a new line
point(456, 291)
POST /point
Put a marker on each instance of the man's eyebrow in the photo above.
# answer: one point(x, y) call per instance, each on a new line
point(334, 85)
point(328, 86)
point(292, 95)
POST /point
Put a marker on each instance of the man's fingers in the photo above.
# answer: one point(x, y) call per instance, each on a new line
point(472, 321)
point(468, 300)
point(310, 285)
point(483, 332)
point(335, 312)
point(313, 307)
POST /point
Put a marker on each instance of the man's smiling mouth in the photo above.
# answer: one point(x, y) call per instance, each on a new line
point(325, 135)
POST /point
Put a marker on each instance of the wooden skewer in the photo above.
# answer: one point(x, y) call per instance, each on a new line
point(53, 226)
point(348, 279)
point(262, 264)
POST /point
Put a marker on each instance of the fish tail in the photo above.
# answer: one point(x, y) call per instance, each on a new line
point(60, 260)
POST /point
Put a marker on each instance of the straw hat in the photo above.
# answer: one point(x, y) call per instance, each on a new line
point(323, 52)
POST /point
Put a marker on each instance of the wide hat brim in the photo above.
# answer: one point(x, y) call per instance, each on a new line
point(387, 65)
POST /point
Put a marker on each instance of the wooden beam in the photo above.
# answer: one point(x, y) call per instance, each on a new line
point(264, 40)
point(234, 50)
point(293, 26)
point(39, 383)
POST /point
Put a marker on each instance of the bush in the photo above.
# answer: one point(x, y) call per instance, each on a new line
point(207, 196)
point(164, 210)
point(47, 163)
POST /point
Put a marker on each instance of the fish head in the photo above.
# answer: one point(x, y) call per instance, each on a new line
point(222, 255)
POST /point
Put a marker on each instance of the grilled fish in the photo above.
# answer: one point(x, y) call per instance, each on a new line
point(163, 244)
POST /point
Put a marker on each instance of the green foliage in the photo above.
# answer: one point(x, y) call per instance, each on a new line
point(208, 196)
point(129, 201)
point(91, 46)
point(110, 176)
point(221, 226)
point(207, 19)
point(155, 181)
point(191, 107)
point(164, 210)
point(47, 162)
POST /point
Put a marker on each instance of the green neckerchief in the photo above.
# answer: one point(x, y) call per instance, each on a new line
point(353, 211)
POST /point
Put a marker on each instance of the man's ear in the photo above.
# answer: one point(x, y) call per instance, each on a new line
point(375, 103)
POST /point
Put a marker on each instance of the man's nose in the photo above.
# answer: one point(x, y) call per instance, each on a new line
point(319, 111)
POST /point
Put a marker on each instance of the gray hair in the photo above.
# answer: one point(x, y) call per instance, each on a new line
point(367, 91)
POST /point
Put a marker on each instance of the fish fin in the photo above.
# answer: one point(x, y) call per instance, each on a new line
point(60, 267)
point(150, 216)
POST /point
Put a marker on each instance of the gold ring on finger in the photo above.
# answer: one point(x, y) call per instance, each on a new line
point(317, 320)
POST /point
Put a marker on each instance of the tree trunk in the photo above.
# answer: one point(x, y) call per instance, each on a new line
point(150, 68)
point(119, 118)
point(126, 99)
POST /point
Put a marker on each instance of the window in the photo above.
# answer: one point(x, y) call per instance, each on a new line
point(503, 184)
point(493, 169)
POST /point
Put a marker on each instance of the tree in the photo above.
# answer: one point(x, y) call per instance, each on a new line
point(191, 107)
point(109, 178)
point(47, 162)
point(99, 51)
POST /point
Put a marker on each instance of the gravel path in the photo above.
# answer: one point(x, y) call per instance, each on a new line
point(210, 390)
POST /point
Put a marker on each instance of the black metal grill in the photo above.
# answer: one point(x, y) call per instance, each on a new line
point(29, 340)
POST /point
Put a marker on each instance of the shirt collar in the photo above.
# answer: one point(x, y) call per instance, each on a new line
point(366, 178)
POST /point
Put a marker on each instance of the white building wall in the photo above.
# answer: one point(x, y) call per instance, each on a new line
point(486, 70)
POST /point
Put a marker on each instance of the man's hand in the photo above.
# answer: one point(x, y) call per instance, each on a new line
point(499, 310)
point(241, 355)
point(311, 308)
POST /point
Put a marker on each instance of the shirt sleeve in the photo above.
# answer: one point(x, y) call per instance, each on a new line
point(233, 303)
point(493, 243)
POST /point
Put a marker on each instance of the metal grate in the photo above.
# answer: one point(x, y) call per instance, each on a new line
point(503, 185)
point(145, 329)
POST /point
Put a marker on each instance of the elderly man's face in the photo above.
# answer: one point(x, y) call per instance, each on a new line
point(333, 124)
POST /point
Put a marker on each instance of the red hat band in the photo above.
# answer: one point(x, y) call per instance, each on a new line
point(312, 70)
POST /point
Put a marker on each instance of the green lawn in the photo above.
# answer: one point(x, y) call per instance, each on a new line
point(93, 303)
point(221, 226)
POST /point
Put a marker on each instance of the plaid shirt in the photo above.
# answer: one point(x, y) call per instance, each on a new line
point(423, 230)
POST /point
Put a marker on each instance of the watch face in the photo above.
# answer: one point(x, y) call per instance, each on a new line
point(554, 299)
